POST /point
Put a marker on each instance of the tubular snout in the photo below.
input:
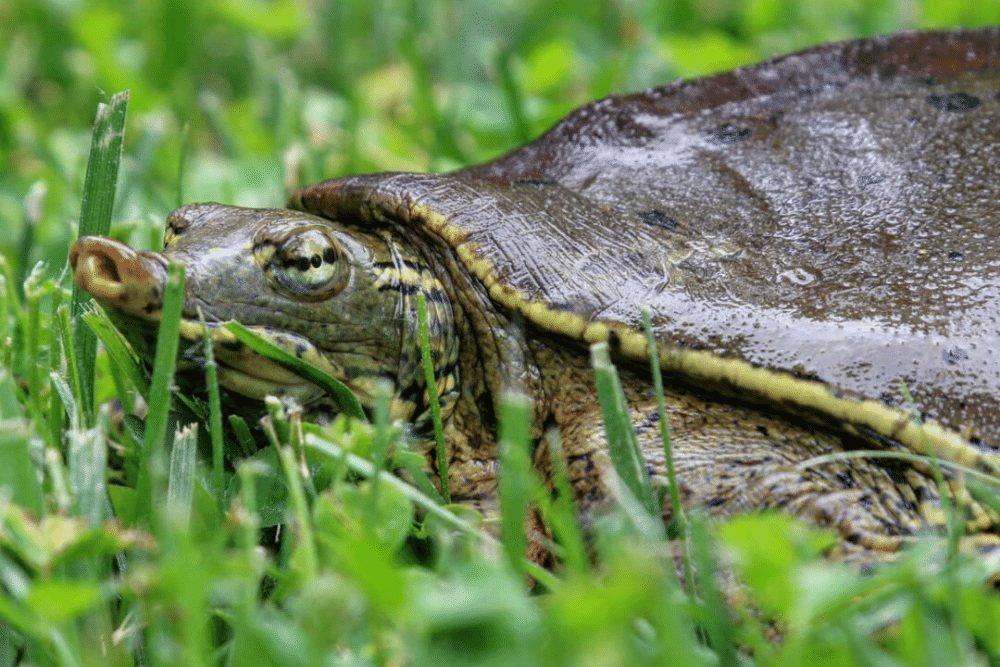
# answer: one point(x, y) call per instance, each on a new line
point(114, 273)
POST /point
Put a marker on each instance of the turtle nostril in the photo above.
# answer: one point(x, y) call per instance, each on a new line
point(104, 267)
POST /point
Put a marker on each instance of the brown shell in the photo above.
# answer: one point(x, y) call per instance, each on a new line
point(833, 214)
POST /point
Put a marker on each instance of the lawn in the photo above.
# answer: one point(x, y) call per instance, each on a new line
point(128, 537)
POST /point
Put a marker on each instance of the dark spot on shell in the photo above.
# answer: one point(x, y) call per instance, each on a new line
point(535, 182)
point(727, 133)
point(302, 264)
point(955, 256)
point(300, 349)
point(150, 308)
point(954, 355)
point(763, 430)
point(954, 102)
point(316, 261)
point(329, 256)
point(658, 219)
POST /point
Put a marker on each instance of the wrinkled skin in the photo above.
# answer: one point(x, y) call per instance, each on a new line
point(831, 215)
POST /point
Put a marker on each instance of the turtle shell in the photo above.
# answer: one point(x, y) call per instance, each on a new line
point(809, 232)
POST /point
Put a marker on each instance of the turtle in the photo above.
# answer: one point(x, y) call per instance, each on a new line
point(807, 233)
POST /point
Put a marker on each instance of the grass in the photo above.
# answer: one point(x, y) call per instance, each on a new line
point(130, 537)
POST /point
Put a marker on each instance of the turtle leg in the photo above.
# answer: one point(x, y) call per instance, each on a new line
point(730, 460)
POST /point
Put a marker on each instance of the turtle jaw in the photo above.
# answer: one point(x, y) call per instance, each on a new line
point(244, 372)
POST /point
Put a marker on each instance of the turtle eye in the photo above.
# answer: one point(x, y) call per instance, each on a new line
point(308, 264)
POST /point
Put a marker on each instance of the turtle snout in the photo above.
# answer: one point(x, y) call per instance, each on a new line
point(116, 274)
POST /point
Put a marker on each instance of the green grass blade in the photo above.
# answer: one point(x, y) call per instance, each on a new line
point(382, 439)
point(243, 435)
point(32, 299)
point(88, 463)
point(428, 363)
point(515, 474)
point(562, 516)
point(305, 545)
point(214, 413)
point(622, 444)
point(56, 357)
point(180, 480)
point(661, 409)
point(346, 401)
point(151, 466)
point(18, 475)
point(95, 219)
point(73, 408)
point(717, 622)
point(513, 95)
point(10, 406)
point(677, 510)
point(119, 352)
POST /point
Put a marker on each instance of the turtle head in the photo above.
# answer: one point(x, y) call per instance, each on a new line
point(337, 296)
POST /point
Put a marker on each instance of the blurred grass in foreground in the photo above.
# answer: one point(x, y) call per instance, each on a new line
point(98, 568)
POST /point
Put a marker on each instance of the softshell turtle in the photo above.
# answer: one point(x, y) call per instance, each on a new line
point(807, 233)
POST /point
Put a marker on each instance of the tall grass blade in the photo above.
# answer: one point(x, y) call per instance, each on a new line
point(512, 93)
point(425, 356)
point(562, 516)
point(305, 545)
point(716, 619)
point(119, 352)
point(32, 300)
point(152, 466)
point(677, 510)
point(515, 474)
point(383, 439)
point(244, 438)
point(18, 475)
point(622, 444)
point(95, 219)
point(180, 480)
point(88, 463)
point(214, 412)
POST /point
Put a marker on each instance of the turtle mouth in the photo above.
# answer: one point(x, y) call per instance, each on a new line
point(245, 372)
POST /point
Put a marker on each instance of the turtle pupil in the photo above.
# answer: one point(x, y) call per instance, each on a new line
point(316, 261)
